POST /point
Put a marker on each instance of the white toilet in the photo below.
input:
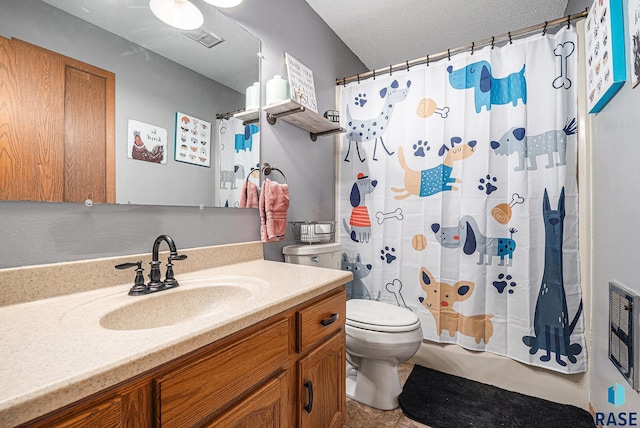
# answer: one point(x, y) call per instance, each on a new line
point(379, 335)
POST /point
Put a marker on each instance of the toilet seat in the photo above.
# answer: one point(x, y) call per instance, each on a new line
point(379, 316)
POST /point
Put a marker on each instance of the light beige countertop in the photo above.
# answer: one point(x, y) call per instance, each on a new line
point(55, 351)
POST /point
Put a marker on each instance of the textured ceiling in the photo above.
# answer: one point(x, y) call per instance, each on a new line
point(388, 32)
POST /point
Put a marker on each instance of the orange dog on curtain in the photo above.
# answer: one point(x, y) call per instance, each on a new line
point(439, 301)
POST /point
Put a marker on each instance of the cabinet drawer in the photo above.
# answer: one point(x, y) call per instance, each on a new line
point(320, 320)
point(186, 396)
point(265, 408)
point(106, 414)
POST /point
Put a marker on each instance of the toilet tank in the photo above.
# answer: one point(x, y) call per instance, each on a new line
point(319, 255)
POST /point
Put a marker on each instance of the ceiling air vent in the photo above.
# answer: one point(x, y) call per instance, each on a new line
point(204, 37)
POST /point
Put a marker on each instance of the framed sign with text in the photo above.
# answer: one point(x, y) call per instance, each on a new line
point(301, 83)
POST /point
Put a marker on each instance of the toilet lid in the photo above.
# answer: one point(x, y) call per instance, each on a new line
point(380, 316)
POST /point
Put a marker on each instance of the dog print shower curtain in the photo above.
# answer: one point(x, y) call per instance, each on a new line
point(458, 198)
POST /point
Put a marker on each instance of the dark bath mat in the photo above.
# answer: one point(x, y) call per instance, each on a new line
point(440, 400)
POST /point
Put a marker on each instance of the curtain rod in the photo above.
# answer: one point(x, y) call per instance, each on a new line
point(471, 46)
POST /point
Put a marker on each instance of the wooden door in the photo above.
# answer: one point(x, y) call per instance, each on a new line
point(56, 127)
point(31, 117)
point(85, 155)
point(322, 385)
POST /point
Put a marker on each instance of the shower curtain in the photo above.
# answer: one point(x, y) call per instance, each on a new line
point(238, 152)
point(457, 198)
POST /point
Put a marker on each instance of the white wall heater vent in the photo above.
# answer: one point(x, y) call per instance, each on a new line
point(624, 308)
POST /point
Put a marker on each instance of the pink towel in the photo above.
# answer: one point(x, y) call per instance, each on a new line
point(274, 203)
point(249, 195)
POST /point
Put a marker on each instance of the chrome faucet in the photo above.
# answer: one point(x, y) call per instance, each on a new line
point(155, 276)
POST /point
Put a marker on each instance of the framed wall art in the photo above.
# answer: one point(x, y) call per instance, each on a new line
point(193, 140)
point(634, 40)
point(146, 142)
point(605, 59)
point(301, 84)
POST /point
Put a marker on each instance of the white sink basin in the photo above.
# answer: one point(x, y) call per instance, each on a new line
point(195, 298)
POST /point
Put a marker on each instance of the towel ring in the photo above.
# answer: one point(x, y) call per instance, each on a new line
point(253, 174)
point(267, 169)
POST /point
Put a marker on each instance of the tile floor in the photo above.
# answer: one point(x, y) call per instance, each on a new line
point(361, 416)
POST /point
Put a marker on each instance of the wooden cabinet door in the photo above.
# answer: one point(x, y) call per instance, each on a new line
point(265, 408)
point(322, 385)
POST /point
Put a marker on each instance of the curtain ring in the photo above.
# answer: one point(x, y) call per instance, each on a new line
point(510, 40)
point(449, 54)
point(568, 21)
point(427, 60)
point(407, 65)
point(493, 42)
point(390, 71)
point(358, 76)
point(544, 30)
point(374, 75)
point(473, 46)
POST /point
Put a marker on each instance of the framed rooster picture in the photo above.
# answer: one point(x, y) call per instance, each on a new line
point(146, 142)
point(193, 140)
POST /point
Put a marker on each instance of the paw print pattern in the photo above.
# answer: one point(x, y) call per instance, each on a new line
point(503, 282)
point(487, 185)
point(361, 100)
point(420, 147)
point(387, 254)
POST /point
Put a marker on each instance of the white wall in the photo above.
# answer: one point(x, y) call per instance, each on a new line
point(615, 202)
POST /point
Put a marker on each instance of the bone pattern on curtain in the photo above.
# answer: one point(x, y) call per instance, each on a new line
point(457, 198)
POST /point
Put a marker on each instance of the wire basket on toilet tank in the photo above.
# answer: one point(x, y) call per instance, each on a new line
point(313, 232)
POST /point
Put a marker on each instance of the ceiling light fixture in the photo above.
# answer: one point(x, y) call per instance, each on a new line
point(180, 14)
point(224, 3)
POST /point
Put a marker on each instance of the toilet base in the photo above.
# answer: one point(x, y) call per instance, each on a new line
point(375, 383)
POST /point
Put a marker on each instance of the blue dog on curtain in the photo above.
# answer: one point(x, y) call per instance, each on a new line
point(488, 89)
point(552, 330)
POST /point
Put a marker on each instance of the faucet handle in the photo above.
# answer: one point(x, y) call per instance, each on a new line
point(170, 280)
point(129, 265)
point(138, 286)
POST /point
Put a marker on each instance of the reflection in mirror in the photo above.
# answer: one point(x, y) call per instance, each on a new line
point(239, 166)
point(159, 72)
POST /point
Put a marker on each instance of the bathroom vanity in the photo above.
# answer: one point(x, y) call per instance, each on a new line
point(270, 355)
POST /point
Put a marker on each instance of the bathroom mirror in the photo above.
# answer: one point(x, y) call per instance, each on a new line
point(163, 77)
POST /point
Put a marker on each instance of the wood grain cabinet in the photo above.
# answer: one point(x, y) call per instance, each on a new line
point(286, 371)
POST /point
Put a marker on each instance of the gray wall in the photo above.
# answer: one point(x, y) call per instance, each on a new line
point(149, 88)
point(35, 233)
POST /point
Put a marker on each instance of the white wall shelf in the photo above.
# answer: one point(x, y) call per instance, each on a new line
point(248, 116)
point(298, 115)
